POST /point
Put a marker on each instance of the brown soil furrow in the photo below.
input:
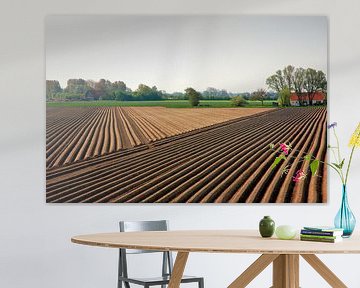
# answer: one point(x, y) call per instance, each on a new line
point(316, 183)
point(166, 177)
point(212, 164)
point(244, 175)
point(67, 144)
point(75, 170)
point(301, 148)
point(87, 144)
point(235, 175)
point(65, 133)
point(162, 154)
point(275, 180)
point(261, 178)
point(196, 173)
point(73, 149)
point(109, 159)
point(151, 132)
point(301, 190)
point(205, 185)
point(135, 128)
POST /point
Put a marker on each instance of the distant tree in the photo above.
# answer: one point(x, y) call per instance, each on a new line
point(289, 73)
point(259, 95)
point(314, 81)
point(298, 84)
point(104, 90)
point(238, 101)
point(52, 88)
point(277, 81)
point(77, 86)
point(76, 89)
point(284, 97)
point(193, 96)
point(210, 93)
point(213, 93)
point(121, 95)
point(91, 83)
point(324, 89)
point(144, 92)
point(119, 85)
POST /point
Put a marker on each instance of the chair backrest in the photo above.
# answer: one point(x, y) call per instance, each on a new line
point(138, 226)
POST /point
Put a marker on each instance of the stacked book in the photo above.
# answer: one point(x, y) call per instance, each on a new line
point(321, 234)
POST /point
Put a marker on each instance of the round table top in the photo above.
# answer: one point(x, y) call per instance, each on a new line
point(217, 241)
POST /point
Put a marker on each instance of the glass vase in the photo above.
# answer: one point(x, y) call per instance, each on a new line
point(345, 219)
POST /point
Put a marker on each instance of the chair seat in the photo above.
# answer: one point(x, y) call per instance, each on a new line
point(158, 280)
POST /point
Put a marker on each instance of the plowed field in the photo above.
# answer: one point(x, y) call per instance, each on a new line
point(74, 134)
point(224, 163)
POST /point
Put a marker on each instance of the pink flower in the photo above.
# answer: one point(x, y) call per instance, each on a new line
point(284, 148)
point(299, 175)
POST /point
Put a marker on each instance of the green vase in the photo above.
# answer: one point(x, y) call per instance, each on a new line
point(267, 227)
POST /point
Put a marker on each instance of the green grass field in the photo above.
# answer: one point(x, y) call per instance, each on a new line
point(163, 103)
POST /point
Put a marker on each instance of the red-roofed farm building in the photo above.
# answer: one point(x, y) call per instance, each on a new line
point(317, 99)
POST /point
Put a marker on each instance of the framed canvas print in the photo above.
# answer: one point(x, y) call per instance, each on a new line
point(186, 109)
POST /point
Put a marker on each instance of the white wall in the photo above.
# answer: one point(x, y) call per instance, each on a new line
point(35, 248)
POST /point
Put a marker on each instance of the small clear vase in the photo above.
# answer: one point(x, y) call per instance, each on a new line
point(345, 219)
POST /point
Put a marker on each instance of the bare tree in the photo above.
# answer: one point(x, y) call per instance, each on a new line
point(276, 81)
point(299, 78)
point(289, 75)
point(315, 80)
point(259, 95)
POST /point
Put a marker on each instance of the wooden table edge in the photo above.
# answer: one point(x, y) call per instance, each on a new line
point(203, 250)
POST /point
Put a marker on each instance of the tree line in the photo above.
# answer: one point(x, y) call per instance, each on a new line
point(80, 89)
point(305, 83)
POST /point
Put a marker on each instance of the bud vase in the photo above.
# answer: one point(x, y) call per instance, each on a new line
point(266, 227)
point(345, 219)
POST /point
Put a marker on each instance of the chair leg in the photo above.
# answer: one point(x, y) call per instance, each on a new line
point(201, 283)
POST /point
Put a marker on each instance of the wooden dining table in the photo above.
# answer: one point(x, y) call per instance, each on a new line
point(283, 254)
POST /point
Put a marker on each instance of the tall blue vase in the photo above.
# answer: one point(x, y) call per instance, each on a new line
point(345, 219)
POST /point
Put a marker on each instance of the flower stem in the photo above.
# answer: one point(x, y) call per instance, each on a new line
point(348, 166)
point(338, 145)
point(350, 159)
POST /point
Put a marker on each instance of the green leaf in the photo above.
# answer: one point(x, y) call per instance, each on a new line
point(336, 165)
point(314, 165)
point(342, 164)
point(339, 166)
point(271, 146)
point(308, 157)
point(277, 160)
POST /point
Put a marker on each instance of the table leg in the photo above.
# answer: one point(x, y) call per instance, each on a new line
point(324, 271)
point(253, 270)
point(286, 271)
point(178, 269)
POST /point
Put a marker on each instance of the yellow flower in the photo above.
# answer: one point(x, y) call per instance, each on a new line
point(355, 138)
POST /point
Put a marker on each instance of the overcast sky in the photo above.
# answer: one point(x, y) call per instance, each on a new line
point(236, 53)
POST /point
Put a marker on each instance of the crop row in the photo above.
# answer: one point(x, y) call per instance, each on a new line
point(78, 133)
point(229, 163)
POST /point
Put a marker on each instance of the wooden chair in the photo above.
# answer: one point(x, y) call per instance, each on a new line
point(167, 262)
